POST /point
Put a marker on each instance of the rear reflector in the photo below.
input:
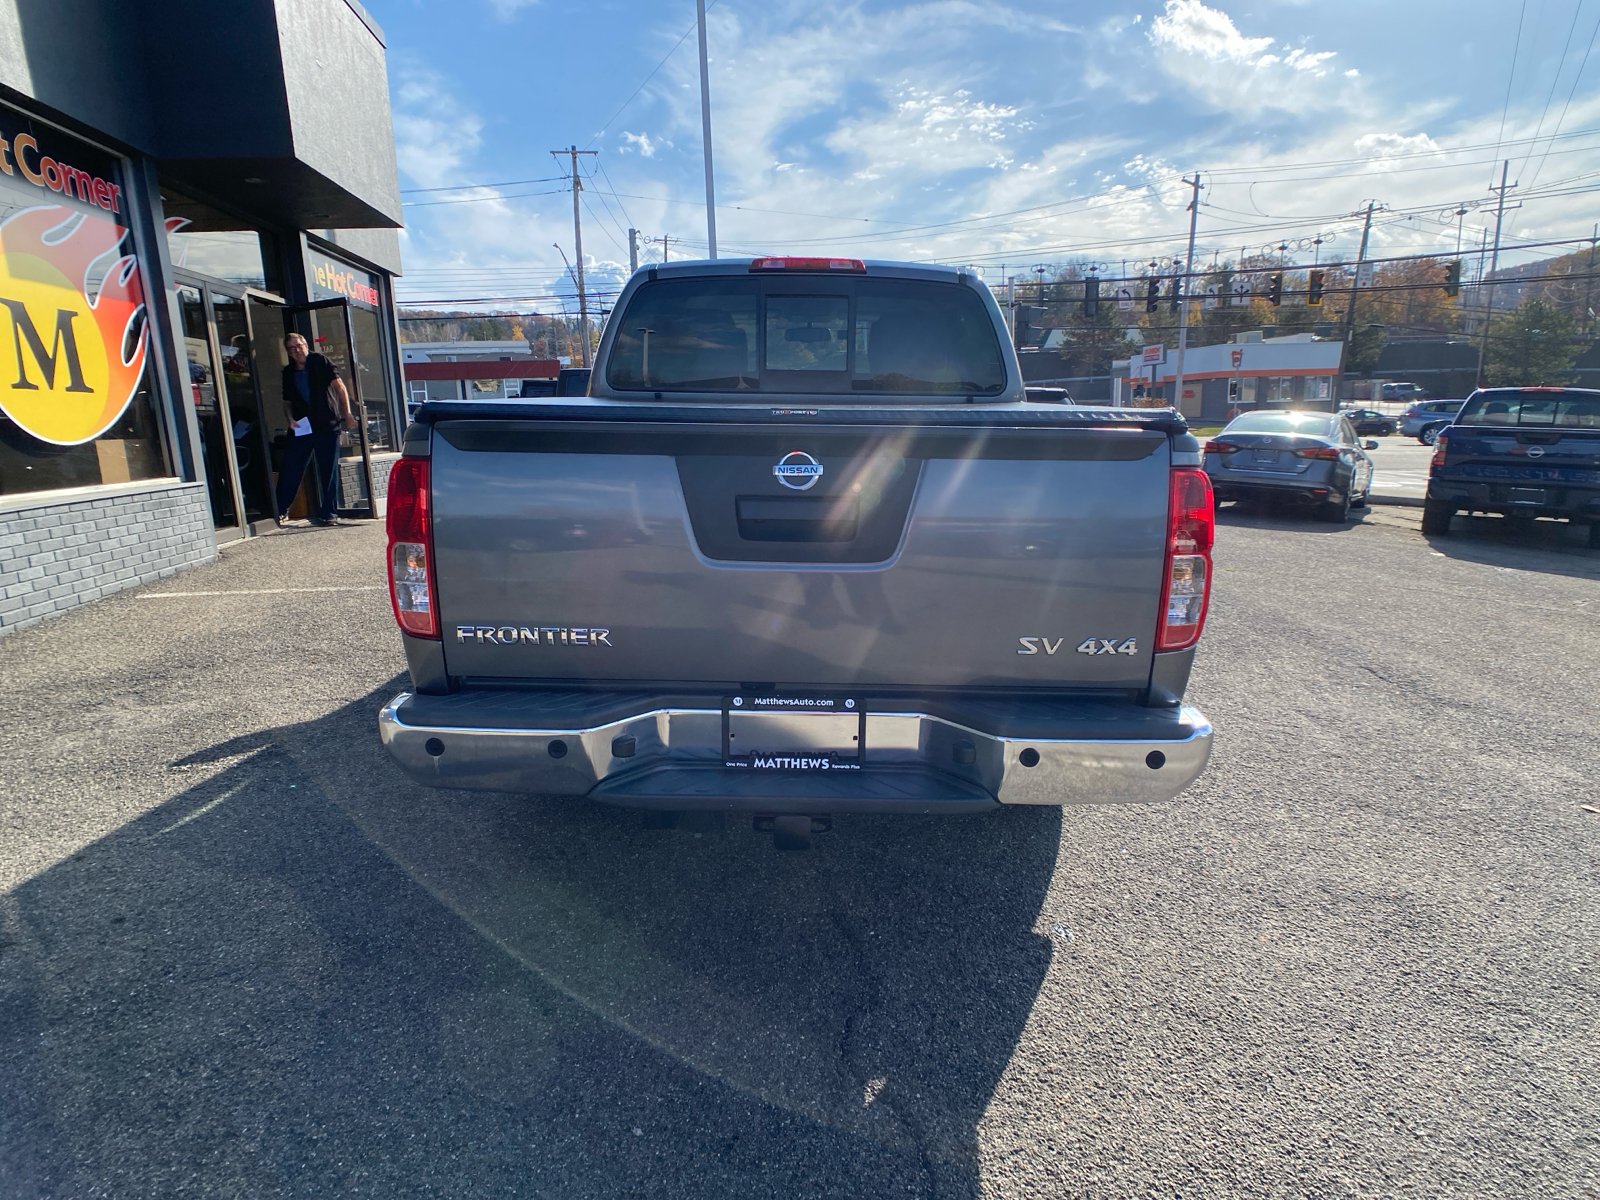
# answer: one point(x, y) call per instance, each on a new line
point(807, 264)
point(1186, 591)
point(410, 527)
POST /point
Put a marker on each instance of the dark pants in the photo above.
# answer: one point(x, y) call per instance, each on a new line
point(325, 442)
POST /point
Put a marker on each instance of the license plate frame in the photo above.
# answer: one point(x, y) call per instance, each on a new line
point(1525, 495)
point(791, 731)
point(1264, 458)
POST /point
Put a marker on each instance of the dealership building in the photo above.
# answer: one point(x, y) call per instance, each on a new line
point(182, 184)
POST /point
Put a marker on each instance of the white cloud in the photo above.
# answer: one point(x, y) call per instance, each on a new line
point(506, 9)
point(903, 133)
point(637, 141)
point(435, 134)
point(1192, 28)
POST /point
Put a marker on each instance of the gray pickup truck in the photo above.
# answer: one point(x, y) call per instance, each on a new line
point(805, 549)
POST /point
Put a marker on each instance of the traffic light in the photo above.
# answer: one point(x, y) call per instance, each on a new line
point(1275, 290)
point(1314, 288)
point(1452, 278)
point(1175, 293)
point(1091, 296)
point(1152, 295)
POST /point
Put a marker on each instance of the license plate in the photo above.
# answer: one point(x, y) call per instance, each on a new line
point(1266, 456)
point(1525, 495)
point(779, 732)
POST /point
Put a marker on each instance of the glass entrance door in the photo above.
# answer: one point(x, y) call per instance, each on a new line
point(251, 447)
point(326, 325)
point(210, 409)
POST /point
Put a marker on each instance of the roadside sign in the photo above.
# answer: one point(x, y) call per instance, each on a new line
point(1155, 355)
point(1238, 359)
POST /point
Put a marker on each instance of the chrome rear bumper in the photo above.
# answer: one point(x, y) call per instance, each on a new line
point(932, 763)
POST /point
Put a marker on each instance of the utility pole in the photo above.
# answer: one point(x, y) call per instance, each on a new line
point(705, 128)
point(1355, 287)
point(633, 249)
point(1494, 262)
point(1588, 282)
point(666, 245)
point(577, 235)
point(1182, 298)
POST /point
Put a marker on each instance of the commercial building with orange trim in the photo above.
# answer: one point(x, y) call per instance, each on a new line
point(1250, 370)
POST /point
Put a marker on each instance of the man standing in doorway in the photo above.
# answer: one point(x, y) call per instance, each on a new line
point(319, 407)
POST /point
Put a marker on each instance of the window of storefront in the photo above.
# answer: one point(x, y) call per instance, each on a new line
point(207, 242)
point(76, 403)
point(329, 278)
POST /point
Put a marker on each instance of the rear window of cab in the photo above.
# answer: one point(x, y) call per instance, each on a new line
point(1551, 407)
point(821, 336)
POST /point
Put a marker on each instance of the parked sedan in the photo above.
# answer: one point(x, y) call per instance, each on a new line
point(1367, 421)
point(1303, 457)
point(1426, 414)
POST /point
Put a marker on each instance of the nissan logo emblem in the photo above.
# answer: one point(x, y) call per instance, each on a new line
point(798, 470)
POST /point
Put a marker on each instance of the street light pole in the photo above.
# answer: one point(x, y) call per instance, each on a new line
point(1183, 300)
point(705, 129)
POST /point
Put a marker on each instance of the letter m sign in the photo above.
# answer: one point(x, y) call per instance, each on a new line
point(63, 343)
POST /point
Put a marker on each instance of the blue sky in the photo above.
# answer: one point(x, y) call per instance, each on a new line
point(1001, 135)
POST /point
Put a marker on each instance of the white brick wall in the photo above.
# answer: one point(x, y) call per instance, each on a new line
point(58, 555)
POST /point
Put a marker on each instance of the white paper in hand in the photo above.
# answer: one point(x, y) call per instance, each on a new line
point(302, 427)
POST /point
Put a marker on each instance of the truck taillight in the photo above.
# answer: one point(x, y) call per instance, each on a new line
point(1186, 591)
point(1439, 447)
point(410, 526)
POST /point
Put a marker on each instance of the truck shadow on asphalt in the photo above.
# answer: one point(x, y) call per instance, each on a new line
point(304, 974)
point(1550, 547)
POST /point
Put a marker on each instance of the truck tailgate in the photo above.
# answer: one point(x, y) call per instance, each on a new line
point(915, 556)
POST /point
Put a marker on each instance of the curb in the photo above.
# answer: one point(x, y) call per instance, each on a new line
point(1398, 501)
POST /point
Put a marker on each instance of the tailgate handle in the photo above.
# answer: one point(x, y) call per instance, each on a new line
point(797, 518)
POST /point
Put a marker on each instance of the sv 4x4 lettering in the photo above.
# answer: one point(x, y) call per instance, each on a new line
point(1031, 645)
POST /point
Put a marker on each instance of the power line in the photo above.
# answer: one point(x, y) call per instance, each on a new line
point(1555, 78)
point(647, 79)
point(467, 187)
point(1516, 46)
point(1584, 62)
point(479, 199)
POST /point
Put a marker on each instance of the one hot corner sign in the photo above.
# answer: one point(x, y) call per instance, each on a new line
point(1155, 355)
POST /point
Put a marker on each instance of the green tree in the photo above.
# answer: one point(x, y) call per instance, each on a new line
point(1531, 345)
point(1367, 341)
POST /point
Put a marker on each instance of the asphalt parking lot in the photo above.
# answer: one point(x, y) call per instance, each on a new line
point(240, 955)
point(1400, 467)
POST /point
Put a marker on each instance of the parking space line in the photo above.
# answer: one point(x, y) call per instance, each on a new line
point(376, 587)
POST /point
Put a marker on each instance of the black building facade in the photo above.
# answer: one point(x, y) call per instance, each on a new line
point(181, 184)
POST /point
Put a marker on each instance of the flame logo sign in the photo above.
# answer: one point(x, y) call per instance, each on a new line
point(69, 362)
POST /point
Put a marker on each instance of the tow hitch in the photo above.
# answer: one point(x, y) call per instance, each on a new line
point(792, 832)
